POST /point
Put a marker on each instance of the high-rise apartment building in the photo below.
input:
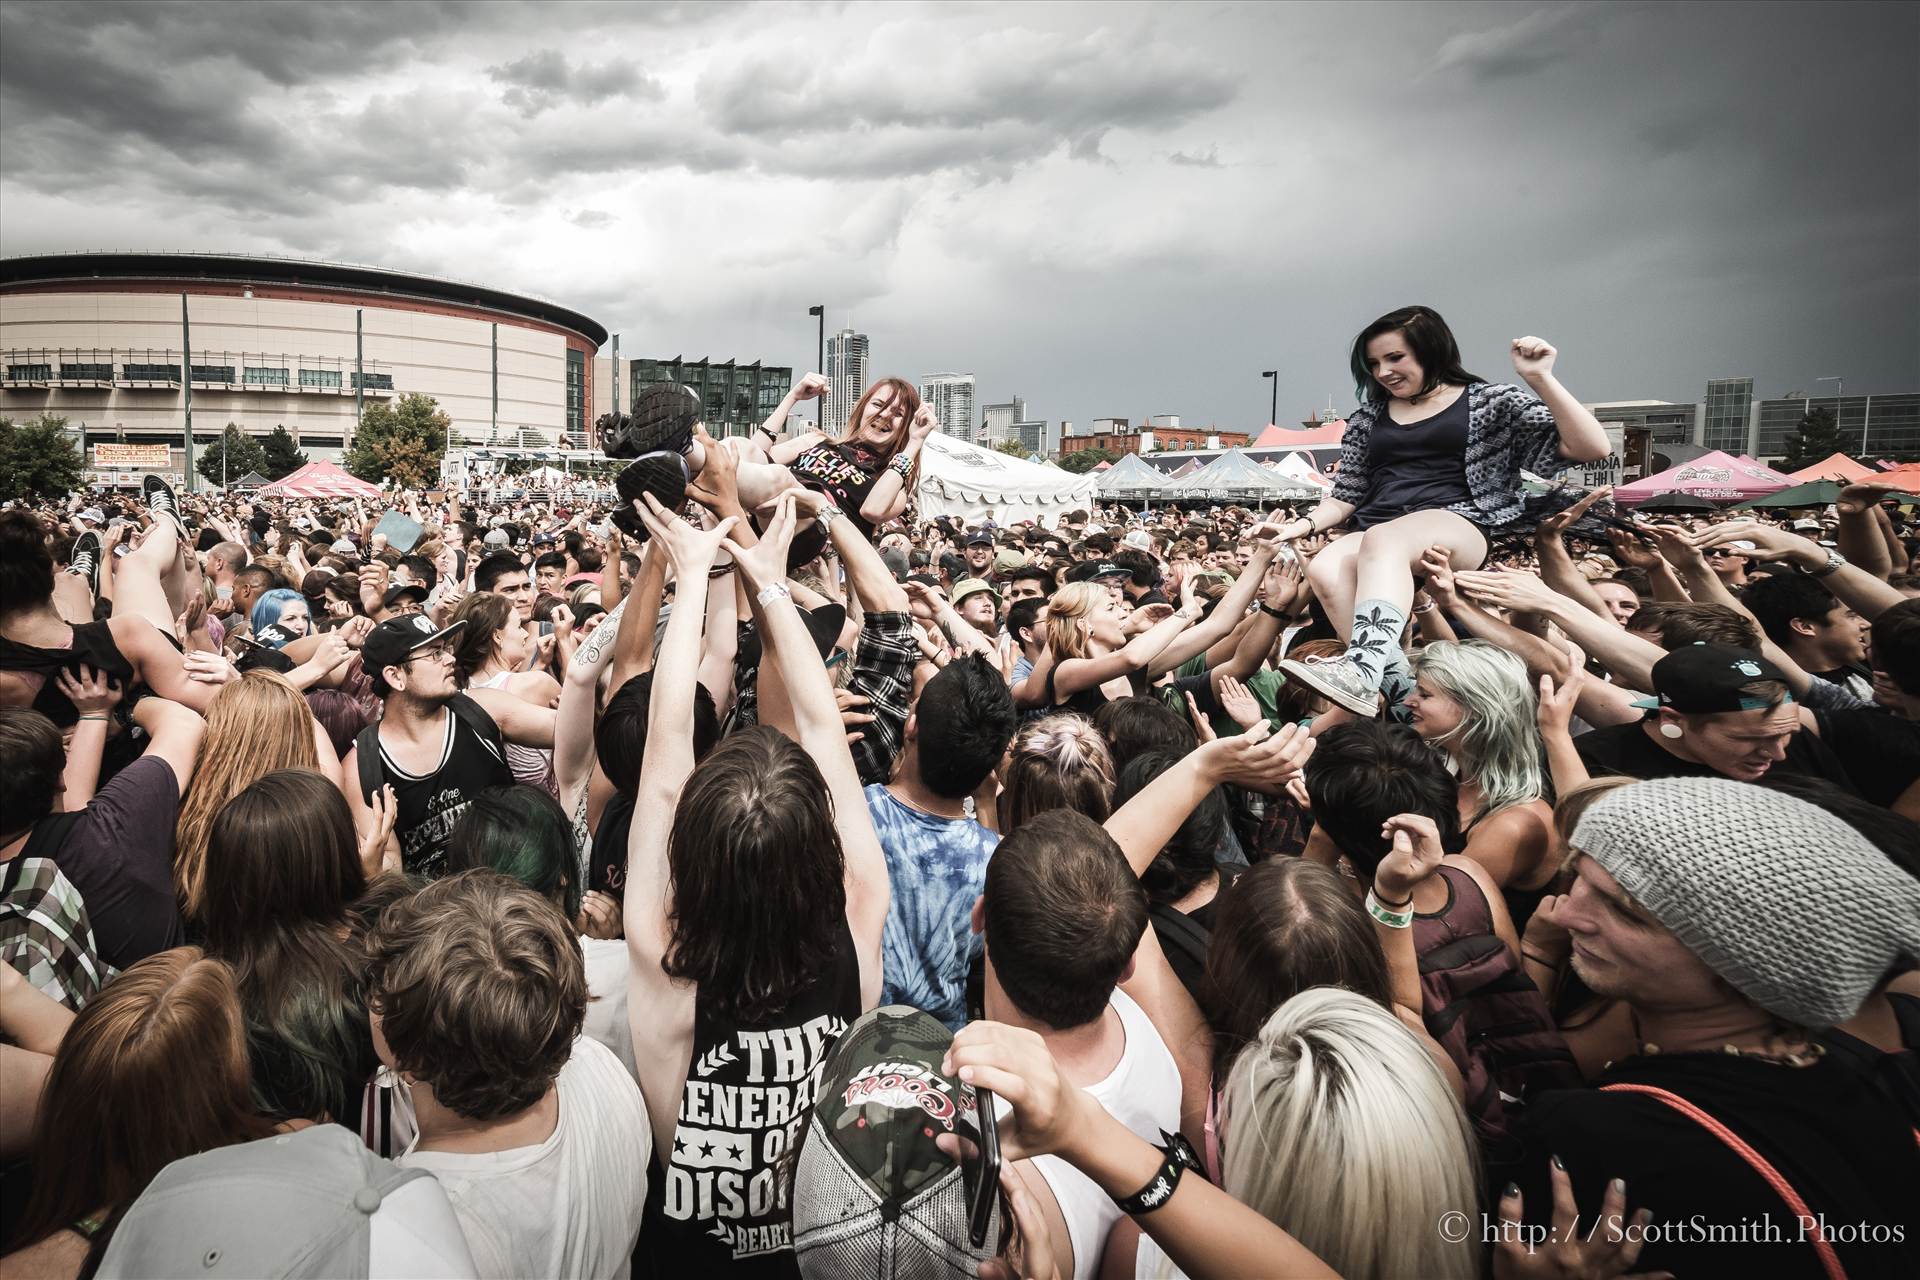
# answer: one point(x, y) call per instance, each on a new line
point(950, 396)
point(1000, 419)
point(734, 397)
point(846, 376)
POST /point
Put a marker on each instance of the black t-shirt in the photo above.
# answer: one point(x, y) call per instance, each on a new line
point(1629, 751)
point(1842, 1146)
point(1880, 751)
point(607, 861)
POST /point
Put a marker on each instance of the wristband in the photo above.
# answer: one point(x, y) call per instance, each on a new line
point(1272, 612)
point(771, 592)
point(1835, 563)
point(828, 514)
point(94, 717)
point(902, 464)
point(1391, 919)
point(720, 570)
point(1178, 1156)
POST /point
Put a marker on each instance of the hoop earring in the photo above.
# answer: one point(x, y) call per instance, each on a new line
point(1671, 730)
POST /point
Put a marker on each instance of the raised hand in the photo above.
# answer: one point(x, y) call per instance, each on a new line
point(1260, 759)
point(1414, 855)
point(716, 487)
point(1510, 589)
point(91, 692)
point(1559, 522)
point(1202, 727)
point(1557, 702)
point(1607, 1248)
point(600, 915)
point(382, 809)
point(1049, 1112)
point(810, 387)
point(923, 425)
point(691, 550)
point(765, 563)
point(1533, 358)
point(1436, 564)
point(1238, 701)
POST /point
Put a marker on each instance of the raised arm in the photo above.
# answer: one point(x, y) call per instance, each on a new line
point(1075, 674)
point(1864, 535)
point(633, 648)
point(822, 735)
point(573, 721)
point(1557, 569)
point(1865, 594)
point(1227, 613)
point(1258, 759)
point(1582, 438)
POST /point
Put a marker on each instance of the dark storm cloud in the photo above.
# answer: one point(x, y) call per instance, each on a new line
point(1036, 193)
point(544, 79)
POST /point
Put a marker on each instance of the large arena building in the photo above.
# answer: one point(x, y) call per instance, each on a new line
point(112, 341)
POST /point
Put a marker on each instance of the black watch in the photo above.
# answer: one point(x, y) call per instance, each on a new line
point(1179, 1157)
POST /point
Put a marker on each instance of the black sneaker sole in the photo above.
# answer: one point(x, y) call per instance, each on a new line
point(87, 545)
point(662, 421)
point(664, 475)
point(152, 486)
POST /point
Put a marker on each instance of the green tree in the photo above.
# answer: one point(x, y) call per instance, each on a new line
point(236, 450)
point(402, 441)
point(38, 459)
point(283, 456)
point(1816, 439)
point(1016, 448)
point(1081, 461)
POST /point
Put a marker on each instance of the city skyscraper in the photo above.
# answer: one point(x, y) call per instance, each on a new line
point(846, 377)
point(950, 396)
point(1000, 419)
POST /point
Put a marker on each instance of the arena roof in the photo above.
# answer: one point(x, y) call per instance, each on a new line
point(232, 268)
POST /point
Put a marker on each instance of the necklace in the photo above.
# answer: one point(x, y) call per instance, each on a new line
point(1788, 1058)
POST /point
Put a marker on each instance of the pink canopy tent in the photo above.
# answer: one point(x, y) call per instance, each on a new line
point(318, 480)
point(1905, 477)
point(1715, 477)
point(1839, 468)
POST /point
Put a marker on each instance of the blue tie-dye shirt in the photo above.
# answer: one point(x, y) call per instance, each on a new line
point(937, 866)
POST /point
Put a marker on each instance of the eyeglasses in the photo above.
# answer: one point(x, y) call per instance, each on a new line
point(439, 653)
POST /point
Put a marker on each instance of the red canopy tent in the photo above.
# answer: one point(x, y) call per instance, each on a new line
point(318, 480)
point(1716, 477)
point(1905, 477)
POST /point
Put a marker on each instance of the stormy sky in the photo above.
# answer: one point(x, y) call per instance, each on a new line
point(1111, 210)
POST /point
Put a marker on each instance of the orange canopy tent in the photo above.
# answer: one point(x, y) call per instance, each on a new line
point(1839, 467)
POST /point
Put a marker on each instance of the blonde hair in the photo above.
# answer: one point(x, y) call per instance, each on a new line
point(1336, 1083)
point(257, 724)
point(1497, 742)
point(1067, 611)
point(1058, 762)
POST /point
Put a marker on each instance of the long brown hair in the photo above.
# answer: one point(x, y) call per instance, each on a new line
point(907, 396)
point(484, 612)
point(257, 724)
point(153, 1070)
point(1057, 762)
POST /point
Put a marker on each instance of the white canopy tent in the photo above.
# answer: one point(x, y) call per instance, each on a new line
point(1234, 477)
point(1297, 466)
point(1131, 480)
point(968, 482)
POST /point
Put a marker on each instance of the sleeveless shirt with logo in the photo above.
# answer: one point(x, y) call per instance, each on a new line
point(715, 1201)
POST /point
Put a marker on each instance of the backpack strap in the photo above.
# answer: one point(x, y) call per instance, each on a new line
point(475, 717)
point(1181, 930)
point(1829, 1260)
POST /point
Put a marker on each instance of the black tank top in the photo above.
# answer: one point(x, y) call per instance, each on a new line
point(716, 1204)
point(428, 806)
point(1418, 467)
point(1088, 700)
point(93, 645)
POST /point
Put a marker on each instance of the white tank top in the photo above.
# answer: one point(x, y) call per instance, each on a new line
point(1141, 1092)
point(531, 765)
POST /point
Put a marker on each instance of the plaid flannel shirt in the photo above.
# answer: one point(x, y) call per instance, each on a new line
point(883, 663)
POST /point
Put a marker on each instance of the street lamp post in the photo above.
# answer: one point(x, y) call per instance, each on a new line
point(1839, 393)
point(820, 361)
point(1273, 413)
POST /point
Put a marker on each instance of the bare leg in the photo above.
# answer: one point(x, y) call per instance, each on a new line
point(139, 580)
point(71, 599)
point(1391, 550)
point(1331, 574)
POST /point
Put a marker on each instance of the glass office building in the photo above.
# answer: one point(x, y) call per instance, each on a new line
point(735, 398)
point(1729, 406)
point(1870, 426)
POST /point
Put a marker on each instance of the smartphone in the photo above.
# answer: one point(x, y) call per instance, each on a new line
point(980, 1167)
point(546, 628)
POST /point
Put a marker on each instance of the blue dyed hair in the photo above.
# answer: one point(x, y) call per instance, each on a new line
point(266, 610)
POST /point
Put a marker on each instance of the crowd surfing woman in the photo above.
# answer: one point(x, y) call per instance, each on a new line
point(868, 469)
point(1432, 457)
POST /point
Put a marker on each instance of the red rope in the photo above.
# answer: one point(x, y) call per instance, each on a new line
point(1829, 1260)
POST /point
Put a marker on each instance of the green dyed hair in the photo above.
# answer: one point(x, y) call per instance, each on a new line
point(521, 832)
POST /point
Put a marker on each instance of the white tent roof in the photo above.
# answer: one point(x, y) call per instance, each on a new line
point(1297, 466)
point(1234, 475)
point(1131, 478)
point(971, 483)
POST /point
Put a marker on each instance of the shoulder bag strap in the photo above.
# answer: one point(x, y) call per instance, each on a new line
point(1829, 1260)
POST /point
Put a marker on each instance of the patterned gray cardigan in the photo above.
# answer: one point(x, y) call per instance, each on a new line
point(1508, 429)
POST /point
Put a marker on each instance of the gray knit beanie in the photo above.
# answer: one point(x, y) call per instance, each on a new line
point(1799, 912)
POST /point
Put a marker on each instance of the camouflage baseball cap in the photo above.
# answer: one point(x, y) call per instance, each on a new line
point(874, 1195)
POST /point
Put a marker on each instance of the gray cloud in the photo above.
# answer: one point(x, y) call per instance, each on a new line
point(1033, 193)
point(543, 80)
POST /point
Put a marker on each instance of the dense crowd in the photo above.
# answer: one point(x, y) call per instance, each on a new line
point(750, 876)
